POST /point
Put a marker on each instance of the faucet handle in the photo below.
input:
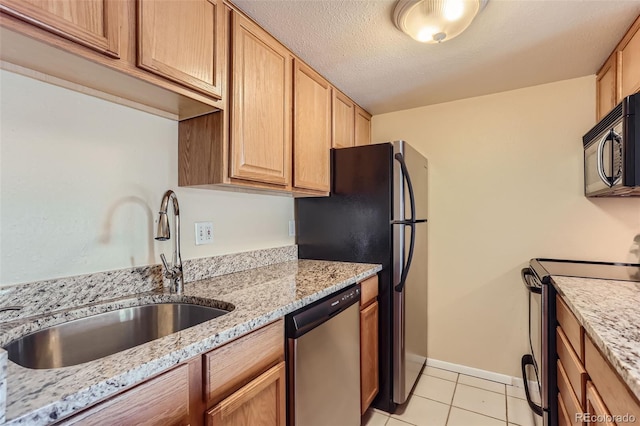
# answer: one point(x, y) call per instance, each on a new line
point(164, 262)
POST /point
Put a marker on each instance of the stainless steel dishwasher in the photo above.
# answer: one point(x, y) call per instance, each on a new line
point(324, 361)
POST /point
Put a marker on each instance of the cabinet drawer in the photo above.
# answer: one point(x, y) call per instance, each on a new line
point(596, 407)
point(614, 392)
point(571, 403)
point(368, 291)
point(571, 327)
point(234, 364)
point(163, 400)
point(563, 417)
point(576, 373)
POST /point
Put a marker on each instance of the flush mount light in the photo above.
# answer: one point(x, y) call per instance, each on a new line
point(435, 21)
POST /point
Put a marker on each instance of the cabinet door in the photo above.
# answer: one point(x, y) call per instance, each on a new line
point(261, 105)
point(630, 61)
point(362, 127)
point(259, 403)
point(368, 355)
point(91, 23)
point(182, 40)
point(606, 91)
point(311, 129)
point(343, 120)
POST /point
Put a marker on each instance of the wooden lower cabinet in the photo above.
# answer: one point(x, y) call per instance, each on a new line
point(368, 355)
point(563, 416)
point(616, 396)
point(369, 373)
point(596, 408)
point(243, 382)
point(262, 402)
point(590, 392)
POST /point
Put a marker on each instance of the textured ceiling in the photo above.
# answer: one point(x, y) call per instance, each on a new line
point(511, 44)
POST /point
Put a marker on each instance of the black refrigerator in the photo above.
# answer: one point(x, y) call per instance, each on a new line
point(377, 213)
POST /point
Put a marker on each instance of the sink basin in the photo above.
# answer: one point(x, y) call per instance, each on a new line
point(97, 336)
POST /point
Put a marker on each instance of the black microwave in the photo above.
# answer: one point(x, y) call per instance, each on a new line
point(612, 152)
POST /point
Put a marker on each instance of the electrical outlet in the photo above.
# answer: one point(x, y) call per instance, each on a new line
point(292, 228)
point(204, 233)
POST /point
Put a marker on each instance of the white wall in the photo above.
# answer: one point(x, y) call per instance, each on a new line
point(505, 186)
point(81, 182)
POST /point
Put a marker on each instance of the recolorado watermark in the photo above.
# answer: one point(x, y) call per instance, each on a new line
point(593, 418)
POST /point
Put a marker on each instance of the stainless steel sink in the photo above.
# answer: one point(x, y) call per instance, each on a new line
point(97, 336)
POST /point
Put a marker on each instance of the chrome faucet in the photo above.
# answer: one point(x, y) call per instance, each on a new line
point(173, 271)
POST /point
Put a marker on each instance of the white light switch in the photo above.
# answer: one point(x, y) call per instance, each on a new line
point(204, 233)
point(292, 228)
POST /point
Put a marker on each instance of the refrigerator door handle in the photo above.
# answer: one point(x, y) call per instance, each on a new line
point(407, 222)
point(411, 222)
point(405, 174)
point(407, 265)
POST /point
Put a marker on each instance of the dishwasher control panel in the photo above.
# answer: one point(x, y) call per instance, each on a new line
point(311, 316)
point(351, 295)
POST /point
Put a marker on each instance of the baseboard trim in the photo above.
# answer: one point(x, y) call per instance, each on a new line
point(481, 374)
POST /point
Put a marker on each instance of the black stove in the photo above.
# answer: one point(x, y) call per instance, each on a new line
point(577, 268)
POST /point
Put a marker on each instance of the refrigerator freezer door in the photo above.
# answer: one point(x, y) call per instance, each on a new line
point(410, 305)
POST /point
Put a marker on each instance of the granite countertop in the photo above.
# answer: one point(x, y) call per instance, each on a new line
point(608, 311)
point(261, 295)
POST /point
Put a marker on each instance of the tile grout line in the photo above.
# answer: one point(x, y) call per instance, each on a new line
point(475, 412)
point(506, 406)
point(451, 403)
point(481, 414)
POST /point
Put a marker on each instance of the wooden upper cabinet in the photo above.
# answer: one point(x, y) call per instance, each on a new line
point(91, 23)
point(311, 129)
point(362, 127)
point(606, 88)
point(260, 131)
point(183, 41)
point(629, 61)
point(620, 75)
point(343, 120)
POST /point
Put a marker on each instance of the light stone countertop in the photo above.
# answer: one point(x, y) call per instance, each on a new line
point(609, 311)
point(261, 295)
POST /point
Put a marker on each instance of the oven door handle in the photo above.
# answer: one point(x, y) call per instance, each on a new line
point(528, 360)
point(526, 273)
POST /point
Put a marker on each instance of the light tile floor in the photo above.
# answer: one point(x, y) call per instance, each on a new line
point(445, 398)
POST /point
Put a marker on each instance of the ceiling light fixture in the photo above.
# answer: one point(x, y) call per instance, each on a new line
point(435, 21)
